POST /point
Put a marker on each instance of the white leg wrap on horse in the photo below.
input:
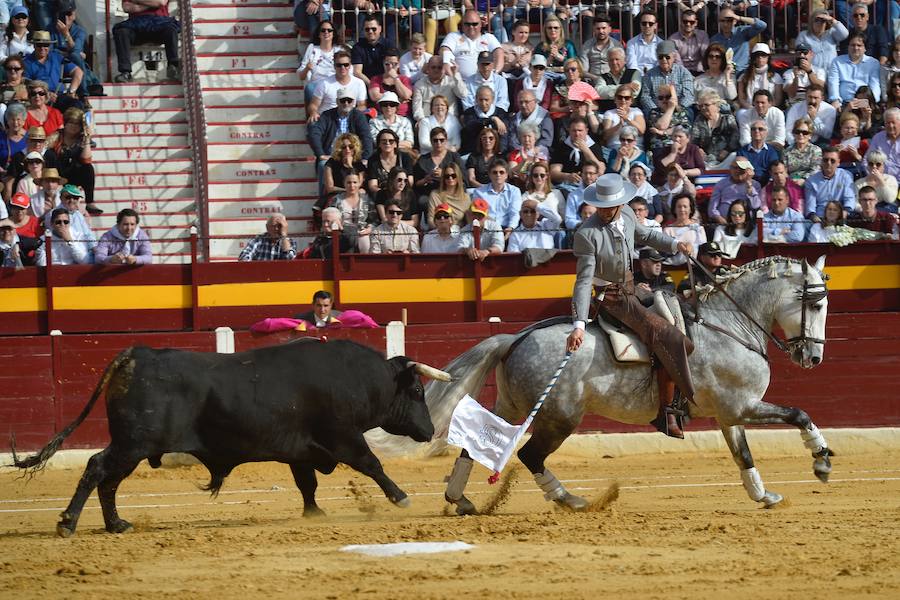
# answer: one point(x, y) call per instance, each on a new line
point(753, 484)
point(813, 440)
point(550, 485)
point(459, 477)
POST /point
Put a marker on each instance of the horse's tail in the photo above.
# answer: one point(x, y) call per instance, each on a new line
point(469, 371)
point(36, 462)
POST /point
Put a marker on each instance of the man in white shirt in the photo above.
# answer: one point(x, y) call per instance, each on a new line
point(801, 76)
point(641, 49)
point(532, 232)
point(820, 113)
point(462, 49)
point(486, 76)
point(762, 109)
point(436, 83)
point(325, 96)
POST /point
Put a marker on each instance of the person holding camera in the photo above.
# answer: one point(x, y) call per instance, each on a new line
point(69, 39)
point(73, 155)
point(801, 75)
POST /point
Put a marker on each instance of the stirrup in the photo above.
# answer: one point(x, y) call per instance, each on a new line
point(662, 425)
point(671, 410)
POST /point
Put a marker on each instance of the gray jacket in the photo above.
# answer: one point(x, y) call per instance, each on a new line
point(604, 253)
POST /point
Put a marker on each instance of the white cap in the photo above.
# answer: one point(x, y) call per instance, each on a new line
point(389, 97)
point(760, 47)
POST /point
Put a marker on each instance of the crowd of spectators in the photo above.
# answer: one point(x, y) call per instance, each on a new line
point(417, 137)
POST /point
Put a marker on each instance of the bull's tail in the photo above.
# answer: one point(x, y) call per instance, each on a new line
point(469, 371)
point(37, 462)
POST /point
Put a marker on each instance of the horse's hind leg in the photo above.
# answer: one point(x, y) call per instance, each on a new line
point(544, 441)
point(736, 439)
point(764, 413)
point(456, 485)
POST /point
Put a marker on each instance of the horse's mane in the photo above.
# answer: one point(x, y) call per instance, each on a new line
point(734, 273)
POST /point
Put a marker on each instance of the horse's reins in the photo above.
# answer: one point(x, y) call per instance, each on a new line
point(784, 345)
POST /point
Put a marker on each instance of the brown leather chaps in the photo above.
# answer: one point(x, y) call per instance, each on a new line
point(670, 346)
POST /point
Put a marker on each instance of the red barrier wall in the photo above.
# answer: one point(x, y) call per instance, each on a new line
point(51, 378)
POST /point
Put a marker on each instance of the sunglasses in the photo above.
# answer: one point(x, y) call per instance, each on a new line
point(391, 104)
point(438, 140)
point(572, 69)
point(326, 31)
point(20, 16)
point(498, 172)
point(473, 24)
point(342, 65)
point(664, 57)
point(450, 176)
point(648, 23)
point(392, 64)
point(395, 212)
point(738, 213)
point(60, 222)
point(441, 217)
point(370, 29)
point(346, 100)
point(388, 141)
point(33, 94)
point(553, 27)
point(14, 69)
point(757, 129)
point(34, 162)
point(876, 164)
point(538, 67)
point(621, 97)
point(716, 56)
point(627, 140)
point(801, 132)
point(860, 15)
point(664, 97)
point(539, 175)
point(688, 22)
point(401, 180)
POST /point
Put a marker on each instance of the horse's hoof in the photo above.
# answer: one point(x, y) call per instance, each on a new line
point(64, 531)
point(464, 506)
point(573, 503)
point(822, 475)
point(771, 499)
point(120, 526)
point(402, 501)
point(313, 512)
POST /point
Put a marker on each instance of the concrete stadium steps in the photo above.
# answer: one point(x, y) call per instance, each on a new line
point(254, 61)
point(123, 129)
point(152, 179)
point(136, 102)
point(140, 115)
point(259, 159)
point(154, 206)
point(137, 154)
point(297, 208)
point(252, 171)
point(142, 192)
point(132, 167)
point(258, 151)
point(257, 131)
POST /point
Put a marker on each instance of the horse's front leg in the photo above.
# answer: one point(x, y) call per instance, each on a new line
point(547, 437)
point(736, 439)
point(765, 413)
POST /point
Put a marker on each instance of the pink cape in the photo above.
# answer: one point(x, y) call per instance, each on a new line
point(348, 318)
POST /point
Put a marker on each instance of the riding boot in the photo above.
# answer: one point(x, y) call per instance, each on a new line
point(666, 420)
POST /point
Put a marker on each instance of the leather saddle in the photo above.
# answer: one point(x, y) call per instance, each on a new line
point(626, 346)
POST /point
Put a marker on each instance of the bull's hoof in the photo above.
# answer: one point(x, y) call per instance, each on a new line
point(402, 501)
point(771, 499)
point(64, 531)
point(119, 526)
point(313, 512)
point(464, 506)
point(573, 503)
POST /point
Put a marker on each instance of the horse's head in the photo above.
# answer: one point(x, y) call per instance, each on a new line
point(801, 313)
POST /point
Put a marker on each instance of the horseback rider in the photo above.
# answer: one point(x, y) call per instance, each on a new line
point(604, 246)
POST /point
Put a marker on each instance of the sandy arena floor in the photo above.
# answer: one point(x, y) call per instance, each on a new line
point(682, 527)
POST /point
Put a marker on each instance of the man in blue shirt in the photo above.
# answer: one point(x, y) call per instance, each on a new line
point(850, 71)
point(504, 199)
point(782, 224)
point(737, 38)
point(759, 153)
point(831, 183)
point(48, 66)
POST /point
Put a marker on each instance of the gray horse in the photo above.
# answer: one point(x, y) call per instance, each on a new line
point(729, 366)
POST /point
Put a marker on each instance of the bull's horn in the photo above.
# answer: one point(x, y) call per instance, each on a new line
point(431, 372)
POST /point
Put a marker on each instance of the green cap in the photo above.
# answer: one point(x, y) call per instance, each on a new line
point(73, 190)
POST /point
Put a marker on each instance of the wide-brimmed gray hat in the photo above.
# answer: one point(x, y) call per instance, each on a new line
point(609, 191)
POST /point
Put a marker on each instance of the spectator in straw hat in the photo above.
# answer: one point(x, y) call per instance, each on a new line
point(36, 141)
point(48, 65)
point(48, 196)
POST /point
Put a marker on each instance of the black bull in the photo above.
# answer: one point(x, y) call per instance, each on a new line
point(305, 403)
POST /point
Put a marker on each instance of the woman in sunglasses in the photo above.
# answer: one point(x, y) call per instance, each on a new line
point(451, 192)
point(555, 46)
point(318, 60)
point(718, 75)
point(40, 113)
point(539, 188)
point(14, 87)
point(885, 184)
point(399, 192)
point(387, 155)
point(803, 158)
point(73, 152)
point(16, 39)
point(889, 69)
point(559, 96)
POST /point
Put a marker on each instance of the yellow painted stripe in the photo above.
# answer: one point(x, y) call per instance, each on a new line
point(122, 297)
point(526, 287)
point(867, 277)
point(265, 293)
point(408, 290)
point(23, 300)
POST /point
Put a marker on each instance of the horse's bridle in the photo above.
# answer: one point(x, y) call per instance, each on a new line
point(809, 294)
